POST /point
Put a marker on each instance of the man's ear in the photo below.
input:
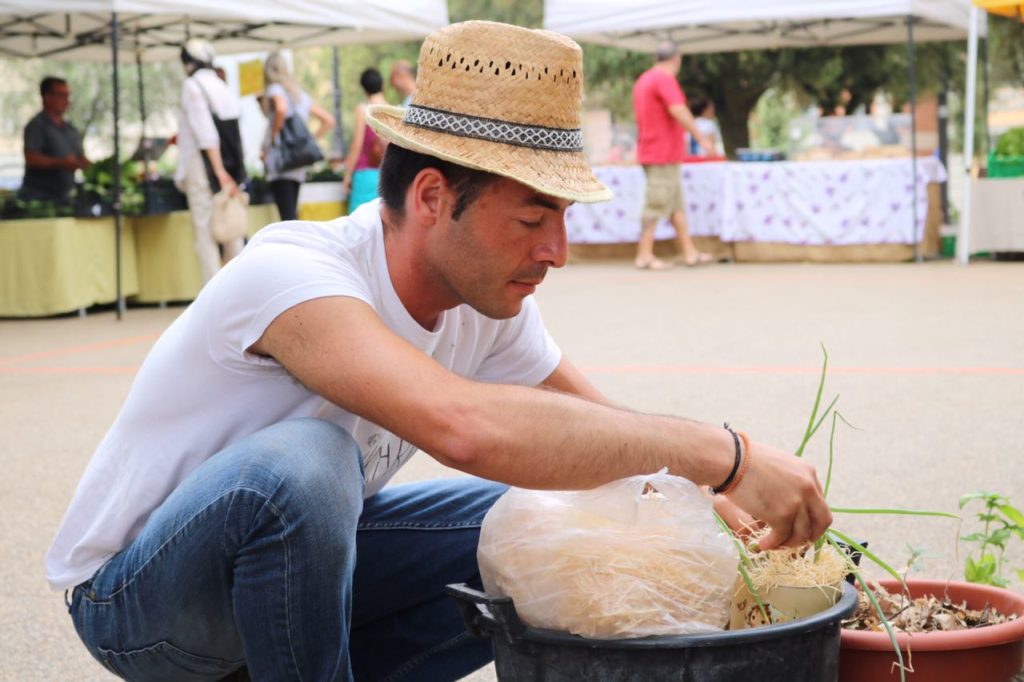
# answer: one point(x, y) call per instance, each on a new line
point(429, 197)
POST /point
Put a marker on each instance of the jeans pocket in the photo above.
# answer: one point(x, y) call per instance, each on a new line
point(164, 661)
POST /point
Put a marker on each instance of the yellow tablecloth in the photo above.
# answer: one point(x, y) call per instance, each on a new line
point(322, 210)
point(167, 261)
point(59, 265)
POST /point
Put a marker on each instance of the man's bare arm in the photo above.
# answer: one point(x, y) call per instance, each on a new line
point(40, 161)
point(682, 113)
point(523, 436)
point(569, 379)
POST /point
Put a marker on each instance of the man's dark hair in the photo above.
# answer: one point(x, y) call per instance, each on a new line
point(698, 105)
point(400, 166)
point(47, 84)
point(372, 81)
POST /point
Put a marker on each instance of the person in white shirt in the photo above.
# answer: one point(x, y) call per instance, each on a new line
point(703, 110)
point(209, 150)
point(235, 515)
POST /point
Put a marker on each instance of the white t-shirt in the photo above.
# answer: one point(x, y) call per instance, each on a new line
point(198, 391)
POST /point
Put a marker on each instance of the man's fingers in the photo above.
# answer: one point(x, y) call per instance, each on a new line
point(773, 540)
point(779, 535)
point(821, 520)
point(802, 529)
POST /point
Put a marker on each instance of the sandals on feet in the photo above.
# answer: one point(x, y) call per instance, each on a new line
point(652, 264)
point(701, 259)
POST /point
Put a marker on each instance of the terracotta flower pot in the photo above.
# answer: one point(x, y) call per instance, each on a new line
point(990, 654)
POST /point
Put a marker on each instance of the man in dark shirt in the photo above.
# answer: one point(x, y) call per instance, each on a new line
point(53, 147)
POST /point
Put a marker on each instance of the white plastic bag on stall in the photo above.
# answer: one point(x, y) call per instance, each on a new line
point(636, 557)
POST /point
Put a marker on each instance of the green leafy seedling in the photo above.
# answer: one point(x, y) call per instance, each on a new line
point(1002, 522)
point(843, 542)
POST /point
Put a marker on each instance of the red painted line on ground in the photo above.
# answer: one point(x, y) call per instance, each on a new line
point(792, 369)
point(68, 370)
point(71, 350)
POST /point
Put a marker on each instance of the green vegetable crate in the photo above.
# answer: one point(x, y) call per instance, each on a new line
point(1007, 160)
point(1005, 166)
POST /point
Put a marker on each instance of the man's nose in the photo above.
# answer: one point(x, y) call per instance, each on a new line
point(554, 249)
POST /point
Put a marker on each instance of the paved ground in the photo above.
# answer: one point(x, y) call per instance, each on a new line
point(928, 359)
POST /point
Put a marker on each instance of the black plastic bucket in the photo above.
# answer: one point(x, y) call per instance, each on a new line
point(806, 650)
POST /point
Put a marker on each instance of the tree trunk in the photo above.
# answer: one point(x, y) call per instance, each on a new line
point(735, 132)
point(734, 81)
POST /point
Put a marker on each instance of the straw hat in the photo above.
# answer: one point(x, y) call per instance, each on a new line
point(501, 99)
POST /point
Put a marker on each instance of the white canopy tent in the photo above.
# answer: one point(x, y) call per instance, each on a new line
point(154, 30)
point(83, 30)
point(697, 26)
point(727, 25)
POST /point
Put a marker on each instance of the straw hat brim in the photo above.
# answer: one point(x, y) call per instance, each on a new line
point(566, 175)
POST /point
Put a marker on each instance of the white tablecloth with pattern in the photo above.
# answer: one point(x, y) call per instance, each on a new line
point(863, 201)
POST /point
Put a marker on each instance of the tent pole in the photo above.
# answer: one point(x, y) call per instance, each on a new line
point(944, 138)
point(142, 96)
point(339, 139)
point(143, 142)
point(912, 78)
point(963, 251)
point(117, 165)
point(986, 136)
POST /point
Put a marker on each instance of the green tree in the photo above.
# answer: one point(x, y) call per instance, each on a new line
point(1006, 49)
point(837, 78)
point(527, 13)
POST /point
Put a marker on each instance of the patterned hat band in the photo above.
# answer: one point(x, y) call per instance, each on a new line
point(534, 137)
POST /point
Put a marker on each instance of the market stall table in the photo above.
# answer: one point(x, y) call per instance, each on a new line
point(168, 266)
point(782, 210)
point(997, 214)
point(50, 266)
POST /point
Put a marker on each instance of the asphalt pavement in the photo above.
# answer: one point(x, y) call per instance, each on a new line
point(928, 361)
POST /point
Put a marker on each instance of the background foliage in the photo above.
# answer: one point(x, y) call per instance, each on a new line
point(775, 83)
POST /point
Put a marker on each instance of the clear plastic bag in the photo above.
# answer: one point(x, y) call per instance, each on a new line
point(636, 557)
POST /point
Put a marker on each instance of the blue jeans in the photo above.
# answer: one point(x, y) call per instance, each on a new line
point(267, 557)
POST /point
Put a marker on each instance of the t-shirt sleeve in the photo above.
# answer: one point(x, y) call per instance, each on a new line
point(523, 352)
point(669, 91)
point(264, 282)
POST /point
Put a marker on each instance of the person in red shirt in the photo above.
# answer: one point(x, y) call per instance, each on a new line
point(661, 118)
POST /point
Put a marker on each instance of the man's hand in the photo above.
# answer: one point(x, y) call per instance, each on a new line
point(707, 145)
point(71, 162)
point(738, 520)
point(782, 491)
